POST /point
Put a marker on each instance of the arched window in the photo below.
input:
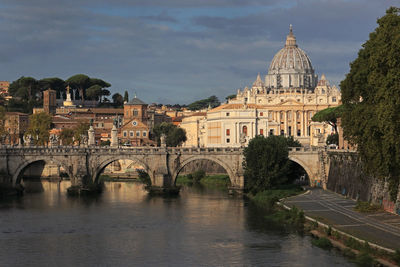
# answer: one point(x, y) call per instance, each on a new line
point(245, 130)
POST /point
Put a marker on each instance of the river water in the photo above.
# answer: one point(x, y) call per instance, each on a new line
point(125, 227)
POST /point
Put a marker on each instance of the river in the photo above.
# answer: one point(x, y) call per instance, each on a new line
point(125, 227)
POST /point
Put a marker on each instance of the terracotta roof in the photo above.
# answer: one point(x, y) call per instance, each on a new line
point(108, 110)
point(16, 113)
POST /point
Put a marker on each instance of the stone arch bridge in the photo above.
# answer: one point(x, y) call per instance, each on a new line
point(84, 164)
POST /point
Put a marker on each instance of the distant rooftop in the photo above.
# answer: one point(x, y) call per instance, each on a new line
point(135, 101)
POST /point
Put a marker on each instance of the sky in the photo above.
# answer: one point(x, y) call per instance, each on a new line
point(178, 51)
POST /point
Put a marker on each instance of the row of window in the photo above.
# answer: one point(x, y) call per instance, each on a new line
point(271, 131)
point(289, 115)
point(132, 134)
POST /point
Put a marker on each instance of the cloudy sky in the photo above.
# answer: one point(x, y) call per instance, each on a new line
point(178, 51)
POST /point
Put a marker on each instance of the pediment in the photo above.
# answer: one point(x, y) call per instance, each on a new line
point(290, 102)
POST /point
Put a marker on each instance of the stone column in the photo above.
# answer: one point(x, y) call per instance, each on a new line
point(285, 124)
point(302, 123)
point(91, 140)
point(114, 136)
point(294, 114)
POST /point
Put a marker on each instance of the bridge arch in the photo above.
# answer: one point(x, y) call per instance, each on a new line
point(227, 168)
point(99, 169)
point(304, 166)
point(16, 179)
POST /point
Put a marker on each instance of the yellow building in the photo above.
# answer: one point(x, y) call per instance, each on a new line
point(282, 104)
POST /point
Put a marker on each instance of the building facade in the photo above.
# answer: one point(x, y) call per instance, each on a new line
point(282, 104)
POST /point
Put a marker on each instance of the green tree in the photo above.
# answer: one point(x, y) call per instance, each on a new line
point(80, 82)
point(329, 115)
point(81, 130)
point(94, 92)
point(174, 136)
point(39, 127)
point(266, 163)
point(371, 99)
point(230, 97)
point(2, 121)
point(25, 88)
point(205, 103)
point(118, 100)
point(126, 96)
point(54, 83)
point(67, 136)
point(333, 139)
point(102, 84)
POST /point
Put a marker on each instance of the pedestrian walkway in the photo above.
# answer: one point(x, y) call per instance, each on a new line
point(381, 228)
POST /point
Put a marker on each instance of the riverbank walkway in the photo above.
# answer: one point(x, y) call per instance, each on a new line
point(381, 228)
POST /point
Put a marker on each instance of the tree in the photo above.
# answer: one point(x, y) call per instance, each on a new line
point(329, 115)
point(81, 130)
point(118, 100)
point(126, 96)
point(94, 92)
point(102, 84)
point(2, 122)
point(25, 88)
point(205, 103)
point(174, 136)
point(54, 83)
point(371, 99)
point(80, 82)
point(39, 127)
point(229, 97)
point(266, 163)
point(67, 136)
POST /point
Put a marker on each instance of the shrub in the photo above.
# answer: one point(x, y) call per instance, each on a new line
point(364, 259)
point(144, 177)
point(396, 257)
point(198, 175)
point(367, 207)
point(322, 242)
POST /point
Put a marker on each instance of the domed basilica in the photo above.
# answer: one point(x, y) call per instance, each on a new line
point(282, 104)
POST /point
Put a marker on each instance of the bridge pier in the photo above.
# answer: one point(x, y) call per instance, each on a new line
point(161, 184)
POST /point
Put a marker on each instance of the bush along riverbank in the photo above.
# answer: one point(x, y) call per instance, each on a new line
point(200, 177)
point(291, 218)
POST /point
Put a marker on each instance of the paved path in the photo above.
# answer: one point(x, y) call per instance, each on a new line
point(382, 228)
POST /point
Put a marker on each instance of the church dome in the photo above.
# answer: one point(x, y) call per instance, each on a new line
point(291, 67)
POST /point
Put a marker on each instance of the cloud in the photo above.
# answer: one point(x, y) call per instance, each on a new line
point(180, 50)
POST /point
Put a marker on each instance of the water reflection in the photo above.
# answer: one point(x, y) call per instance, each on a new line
point(126, 227)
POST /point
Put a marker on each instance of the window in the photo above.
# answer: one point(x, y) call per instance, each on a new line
point(227, 114)
point(137, 133)
point(261, 131)
point(131, 133)
point(270, 115)
point(228, 132)
point(290, 130)
point(282, 132)
point(298, 132)
point(298, 115)
point(333, 98)
point(261, 113)
point(289, 115)
point(144, 133)
point(244, 130)
point(135, 112)
point(228, 140)
point(271, 132)
point(125, 134)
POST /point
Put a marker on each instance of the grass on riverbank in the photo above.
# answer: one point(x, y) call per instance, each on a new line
point(367, 207)
point(266, 201)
